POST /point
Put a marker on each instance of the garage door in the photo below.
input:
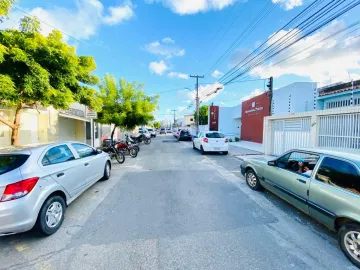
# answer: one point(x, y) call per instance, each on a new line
point(289, 134)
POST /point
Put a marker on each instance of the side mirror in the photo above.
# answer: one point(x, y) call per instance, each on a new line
point(272, 163)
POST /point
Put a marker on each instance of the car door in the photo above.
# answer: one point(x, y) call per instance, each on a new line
point(286, 179)
point(60, 163)
point(93, 163)
point(335, 191)
point(198, 140)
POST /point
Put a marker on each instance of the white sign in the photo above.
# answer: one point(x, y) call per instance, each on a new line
point(91, 113)
point(254, 110)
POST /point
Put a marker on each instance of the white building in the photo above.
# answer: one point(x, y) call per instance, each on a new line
point(294, 98)
point(230, 121)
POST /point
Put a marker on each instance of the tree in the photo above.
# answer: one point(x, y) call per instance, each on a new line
point(124, 104)
point(157, 125)
point(5, 6)
point(203, 115)
point(42, 71)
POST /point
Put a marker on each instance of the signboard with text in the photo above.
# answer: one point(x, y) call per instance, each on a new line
point(91, 114)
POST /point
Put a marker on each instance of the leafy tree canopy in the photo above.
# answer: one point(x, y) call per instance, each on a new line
point(37, 70)
point(157, 125)
point(5, 6)
point(203, 115)
point(125, 104)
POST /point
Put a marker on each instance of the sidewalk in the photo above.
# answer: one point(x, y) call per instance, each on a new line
point(244, 148)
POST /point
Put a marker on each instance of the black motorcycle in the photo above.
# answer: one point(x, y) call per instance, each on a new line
point(131, 142)
point(141, 138)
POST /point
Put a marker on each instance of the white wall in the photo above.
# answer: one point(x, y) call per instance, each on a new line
point(230, 121)
point(294, 98)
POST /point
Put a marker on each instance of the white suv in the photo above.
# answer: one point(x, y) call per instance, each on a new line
point(211, 141)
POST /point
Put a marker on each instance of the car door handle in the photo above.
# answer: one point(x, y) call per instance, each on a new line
point(86, 164)
point(301, 181)
point(60, 174)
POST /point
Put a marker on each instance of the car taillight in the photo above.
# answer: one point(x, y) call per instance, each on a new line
point(19, 189)
point(206, 140)
point(226, 140)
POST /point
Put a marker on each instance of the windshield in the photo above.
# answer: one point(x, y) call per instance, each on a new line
point(150, 129)
point(11, 162)
point(215, 135)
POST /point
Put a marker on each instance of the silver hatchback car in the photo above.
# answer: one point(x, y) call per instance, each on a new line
point(37, 183)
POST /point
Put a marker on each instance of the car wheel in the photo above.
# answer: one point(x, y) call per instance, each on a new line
point(202, 150)
point(226, 152)
point(349, 240)
point(51, 215)
point(252, 180)
point(194, 146)
point(107, 171)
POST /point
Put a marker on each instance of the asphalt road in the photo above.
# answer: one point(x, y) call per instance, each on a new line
point(172, 208)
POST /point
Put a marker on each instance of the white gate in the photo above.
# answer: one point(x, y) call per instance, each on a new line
point(289, 134)
point(340, 132)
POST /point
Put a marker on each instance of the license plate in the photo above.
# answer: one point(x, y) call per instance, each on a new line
point(216, 148)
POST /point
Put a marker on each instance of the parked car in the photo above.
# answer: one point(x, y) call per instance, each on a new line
point(176, 132)
point(152, 132)
point(162, 131)
point(211, 141)
point(145, 132)
point(38, 183)
point(168, 130)
point(323, 184)
point(184, 135)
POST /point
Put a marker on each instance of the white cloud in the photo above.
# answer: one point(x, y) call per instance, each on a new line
point(289, 4)
point(254, 93)
point(332, 59)
point(80, 23)
point(178, 75)
point(217, 74)
point(168, 110)
point(185, 7)
point(158, 67)
point(187, 101)
point(168, 40)
point(207, 92)
point(164, 48)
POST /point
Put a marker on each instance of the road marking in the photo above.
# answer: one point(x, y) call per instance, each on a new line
point(235, 171)
point(21, 247)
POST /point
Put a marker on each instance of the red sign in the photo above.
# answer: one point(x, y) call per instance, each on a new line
point(214, 118)
point(252, 118)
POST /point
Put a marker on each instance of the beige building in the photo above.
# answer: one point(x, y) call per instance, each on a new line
point(50, 125)
point(189, 120)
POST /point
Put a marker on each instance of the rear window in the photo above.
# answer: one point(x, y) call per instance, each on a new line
point(215, 135)
point(11, 162)
point(184, 132)
point(162, 128)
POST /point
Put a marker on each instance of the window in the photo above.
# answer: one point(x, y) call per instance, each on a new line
point(200, 135)
point(83, 150)
point(58, 154)
point(298, 162)
point(11, 162)
point(339, 173)
point(215, 135)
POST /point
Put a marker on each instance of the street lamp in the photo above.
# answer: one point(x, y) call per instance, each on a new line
point(217, 89)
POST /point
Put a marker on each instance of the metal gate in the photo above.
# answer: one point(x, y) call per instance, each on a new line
point(340, 132)
point(289, 134)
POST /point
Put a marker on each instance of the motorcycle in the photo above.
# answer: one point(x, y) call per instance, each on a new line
point(110, 149)
point(141, 138)
point(126, 149)
point(131, 142)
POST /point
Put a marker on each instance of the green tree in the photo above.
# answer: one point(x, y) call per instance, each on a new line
point(5, 6)
point(125, 104)
point(203, 115)
point(157, 125)
point(42, 71)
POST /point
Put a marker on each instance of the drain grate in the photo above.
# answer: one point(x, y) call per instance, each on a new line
point(170, 141)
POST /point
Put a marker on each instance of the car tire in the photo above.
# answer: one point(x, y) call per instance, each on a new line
point(252, 180)
point(44, 223)
point(202, 150)
point(226, 152)
point(194, 146)
point(345, 234)
point(107, 171)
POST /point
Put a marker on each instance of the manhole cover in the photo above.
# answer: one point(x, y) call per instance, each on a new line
point(170, 141)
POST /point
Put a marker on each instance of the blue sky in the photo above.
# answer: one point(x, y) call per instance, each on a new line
point(160, 42)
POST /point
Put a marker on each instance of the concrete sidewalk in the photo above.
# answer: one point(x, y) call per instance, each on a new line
point(244, 149)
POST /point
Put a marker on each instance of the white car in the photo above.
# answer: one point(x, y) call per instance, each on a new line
point(211, 141)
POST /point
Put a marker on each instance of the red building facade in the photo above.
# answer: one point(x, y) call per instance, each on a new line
point(214, 118)
point(252, 118)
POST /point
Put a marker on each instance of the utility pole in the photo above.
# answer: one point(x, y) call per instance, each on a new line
point(174, 118)
point(197, 100)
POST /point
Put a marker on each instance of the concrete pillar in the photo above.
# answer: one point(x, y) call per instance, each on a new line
point(267, 136)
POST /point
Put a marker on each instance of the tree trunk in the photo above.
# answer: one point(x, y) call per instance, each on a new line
point(112, 134)
point(16, 127)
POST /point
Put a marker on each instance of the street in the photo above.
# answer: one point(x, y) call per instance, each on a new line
point(172, 208)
